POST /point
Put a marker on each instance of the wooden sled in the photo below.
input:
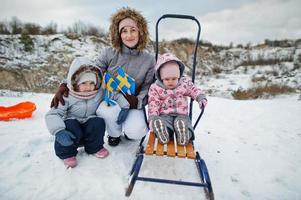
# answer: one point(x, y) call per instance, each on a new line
point(172, 149)
point(19, 111)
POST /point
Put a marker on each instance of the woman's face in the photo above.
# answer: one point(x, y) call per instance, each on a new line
point(129, 36)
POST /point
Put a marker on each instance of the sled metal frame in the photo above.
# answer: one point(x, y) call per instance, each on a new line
point(142, 151)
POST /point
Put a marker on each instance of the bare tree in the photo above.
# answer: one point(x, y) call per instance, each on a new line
point(32, 28)
point(78, 27)
point(4, 29)
point(51, 28)
point(15, 25)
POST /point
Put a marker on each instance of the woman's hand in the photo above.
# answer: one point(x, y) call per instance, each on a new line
point(133, 101)
point(58, 97)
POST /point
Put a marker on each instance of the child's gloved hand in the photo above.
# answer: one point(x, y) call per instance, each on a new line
point(64, 137)
point(203, 103)
point(122, 115)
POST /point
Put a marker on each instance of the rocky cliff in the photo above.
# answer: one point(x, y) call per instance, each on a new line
point(40, 63)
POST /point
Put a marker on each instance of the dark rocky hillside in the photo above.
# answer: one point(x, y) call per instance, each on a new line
point(39, 63)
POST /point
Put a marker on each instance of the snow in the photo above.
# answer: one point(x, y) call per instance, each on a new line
point(56, 46)
point(252, 150)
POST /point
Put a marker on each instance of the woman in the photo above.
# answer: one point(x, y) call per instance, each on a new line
point(129, 37)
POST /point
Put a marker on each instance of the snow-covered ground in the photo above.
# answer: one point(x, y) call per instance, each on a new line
point(252, 150)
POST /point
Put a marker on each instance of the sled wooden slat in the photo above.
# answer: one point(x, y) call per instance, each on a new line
point(190, 151)
point(171, 149)
point(149, 150)
point(159, 149)
point(153, 146)
point(181, 151)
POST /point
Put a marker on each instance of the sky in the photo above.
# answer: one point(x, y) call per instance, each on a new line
point(222, 21)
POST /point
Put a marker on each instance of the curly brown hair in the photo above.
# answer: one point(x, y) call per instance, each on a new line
point(121, 14)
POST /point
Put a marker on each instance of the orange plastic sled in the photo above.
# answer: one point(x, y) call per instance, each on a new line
point(19, 111)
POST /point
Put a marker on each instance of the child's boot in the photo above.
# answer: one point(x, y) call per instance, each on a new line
point(102, 153)
point(181, 131)
point(70, 162)
point(160, 131)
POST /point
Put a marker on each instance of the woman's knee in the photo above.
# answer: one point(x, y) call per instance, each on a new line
point(135, 126)
point(108, 112)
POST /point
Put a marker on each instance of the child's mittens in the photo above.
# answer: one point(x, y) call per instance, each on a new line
point(65, 138)
point(122, 115)
point(203, 103)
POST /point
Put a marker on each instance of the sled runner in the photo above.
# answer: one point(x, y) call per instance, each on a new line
point(172, 149)
point(19, 111)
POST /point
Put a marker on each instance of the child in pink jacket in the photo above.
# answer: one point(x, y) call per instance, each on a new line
point(168, 103)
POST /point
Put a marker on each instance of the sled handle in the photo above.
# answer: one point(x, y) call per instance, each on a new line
point(178, 16)
point(195, 49)
point(198, 119)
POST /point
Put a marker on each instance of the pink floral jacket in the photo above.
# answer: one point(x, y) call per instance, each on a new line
point(172, 101)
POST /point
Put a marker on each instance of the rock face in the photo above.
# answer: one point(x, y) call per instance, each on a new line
point(41, 65)
point(46, 65)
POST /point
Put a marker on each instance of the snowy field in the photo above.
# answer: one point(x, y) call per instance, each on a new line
point(252, 150)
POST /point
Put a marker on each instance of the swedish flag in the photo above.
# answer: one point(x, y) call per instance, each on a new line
point(125, 83)
point(111, 86)
point(122, 83)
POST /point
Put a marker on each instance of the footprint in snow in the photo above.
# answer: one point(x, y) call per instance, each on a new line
point(246, 193)
point(235, 178)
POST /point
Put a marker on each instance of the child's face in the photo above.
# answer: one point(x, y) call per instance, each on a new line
point(129, 36)
point(170, 82)
point(87, 86)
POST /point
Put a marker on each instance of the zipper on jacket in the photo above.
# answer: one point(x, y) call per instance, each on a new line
point(174, 99)
point(85, 115)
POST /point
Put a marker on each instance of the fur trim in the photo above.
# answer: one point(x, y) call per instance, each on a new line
point(121, 14)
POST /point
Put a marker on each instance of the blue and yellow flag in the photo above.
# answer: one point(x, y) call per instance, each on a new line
point(125, 83)
point(110, 87)
point(122, 83)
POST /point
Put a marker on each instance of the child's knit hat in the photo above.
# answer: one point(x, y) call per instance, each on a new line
point(170, 69)
point(87, 76)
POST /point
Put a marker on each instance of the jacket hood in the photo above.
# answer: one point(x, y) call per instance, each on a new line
point(82, 65)
point(138, 18)
point(165, 58)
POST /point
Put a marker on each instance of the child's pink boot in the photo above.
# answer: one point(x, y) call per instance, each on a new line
point(102, 153)
point(70, 162)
